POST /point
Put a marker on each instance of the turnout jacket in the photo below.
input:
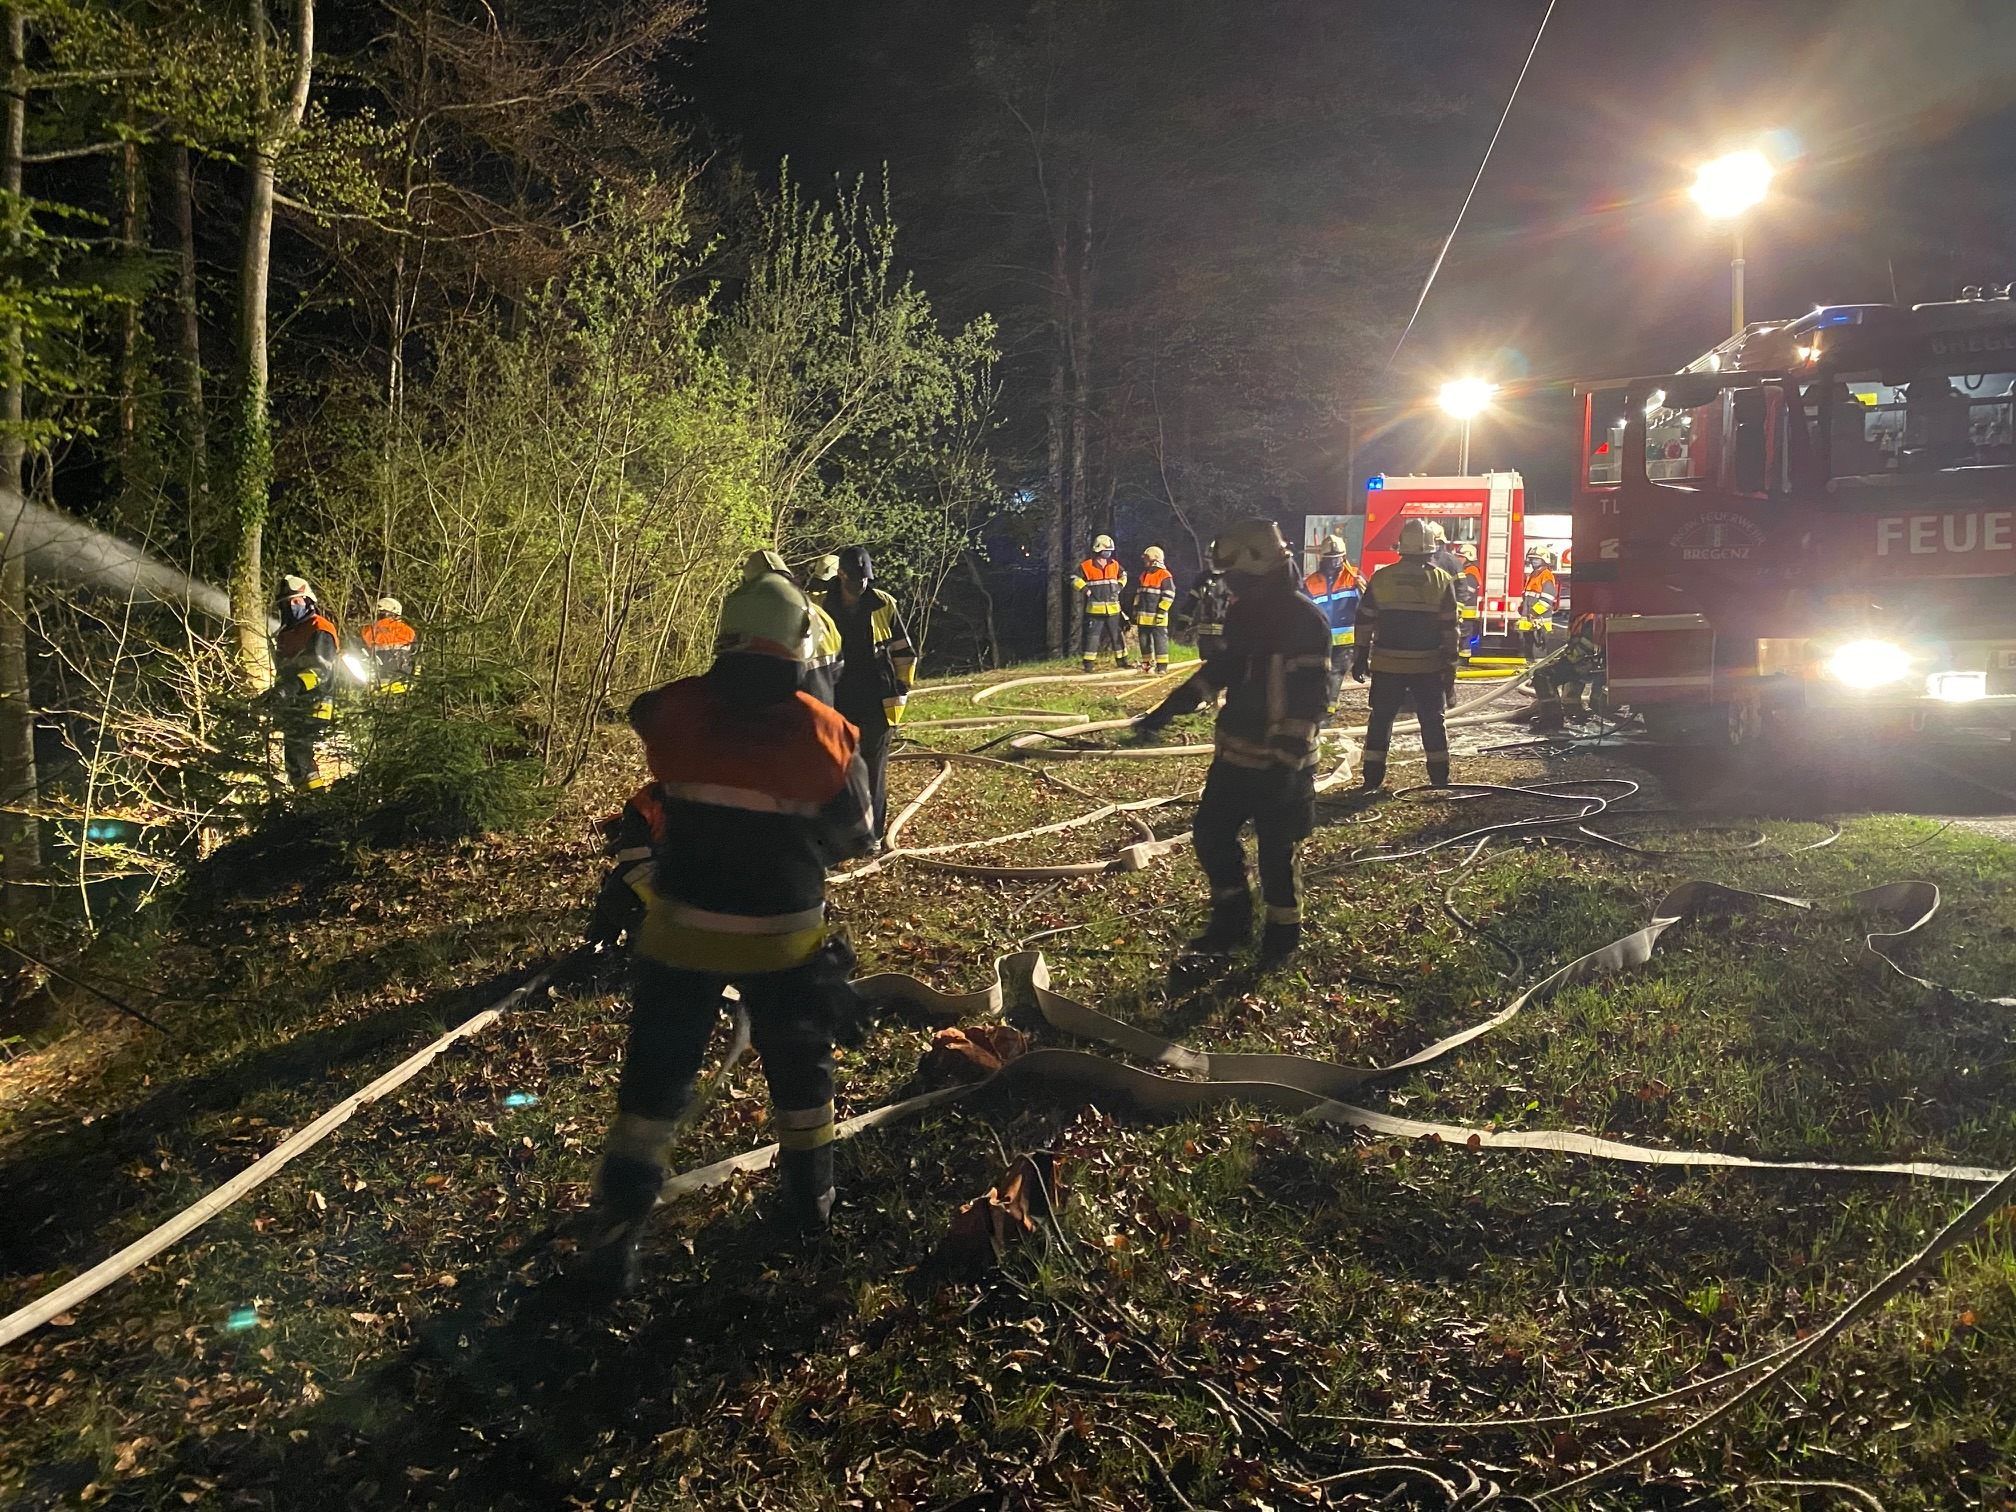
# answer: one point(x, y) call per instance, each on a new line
point(1154, 596)
point(1099, 584)
point(1274, 672)
point(1407, 621)
point(305, 653)
point(1205, 608)
point(825, 665)
point(754, 806)
point(882, 666)
point(1338, 598)
point(391, 642)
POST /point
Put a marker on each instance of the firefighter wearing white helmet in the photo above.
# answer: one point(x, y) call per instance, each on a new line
point(306, 652)
point(1334, 587)
point(1154, 598)
point(1408, 641)
point(1099, 582)
point(1274, 671)
point(1537, 603)
point(760, 788)
point(392, 644)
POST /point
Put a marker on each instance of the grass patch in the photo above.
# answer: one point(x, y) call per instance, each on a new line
point(359, 1334)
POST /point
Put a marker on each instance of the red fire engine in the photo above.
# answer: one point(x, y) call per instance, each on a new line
point(1488, 513)
point(1817, 516)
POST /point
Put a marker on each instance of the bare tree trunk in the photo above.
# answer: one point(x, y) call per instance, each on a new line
point(20, 840)
point(990, 639)
point(189, 338)
point(1081, 367)
point(252, 482)
point(132, 209)
point(1058, 609)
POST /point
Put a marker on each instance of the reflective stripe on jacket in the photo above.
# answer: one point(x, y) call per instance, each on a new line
point(1206, 606)
point(824, 665)
point(1100, 583)
point(1542, 587)
point(391, 642)
point(756, 804)
point(1154, 597)
point(305, 654)
point(891, 666)
point(1274, 669)
point(1407, 620)
point(1338, 598)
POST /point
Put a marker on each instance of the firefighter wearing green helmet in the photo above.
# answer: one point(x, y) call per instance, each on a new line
point(1273, 668)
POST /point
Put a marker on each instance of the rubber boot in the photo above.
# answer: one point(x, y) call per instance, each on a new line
point(1278, 941)
point(1229, 928)
point(613, 1230)
point(804, 1191)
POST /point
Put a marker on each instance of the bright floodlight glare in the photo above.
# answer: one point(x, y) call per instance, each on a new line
point(1865, 664)
point(1466, 398)
point(1730, 185)
point(1957, 687)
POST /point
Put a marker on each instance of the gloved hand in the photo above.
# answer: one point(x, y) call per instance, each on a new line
point(1358, 670)
point(850, 1015)
point(1146, 729)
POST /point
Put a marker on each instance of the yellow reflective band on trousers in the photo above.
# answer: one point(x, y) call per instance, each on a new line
point(805, 1128)
point(662, 937)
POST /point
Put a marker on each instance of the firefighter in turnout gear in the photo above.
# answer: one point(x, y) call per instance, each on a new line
point(1334, 588)
point(823, 662)
point(1559, 686)
point(878, 666)
point(1204, 610)
point(1542, 596)
point(305, 653)
point(1274, 672)
point(1407, 627)
point(1099, 581)
point(759, 788)
point(1470, 599)
point(1154, 598)
point(392, 645)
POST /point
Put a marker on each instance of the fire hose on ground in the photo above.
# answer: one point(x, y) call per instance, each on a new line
point(1187, 1081)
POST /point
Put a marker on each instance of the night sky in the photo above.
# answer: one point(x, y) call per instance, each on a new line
point(1582, 254)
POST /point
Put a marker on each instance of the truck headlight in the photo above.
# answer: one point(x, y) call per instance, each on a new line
point(1957, 687)
point(1866, 664)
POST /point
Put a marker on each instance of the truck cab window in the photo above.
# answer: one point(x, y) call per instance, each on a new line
point(1749, 451)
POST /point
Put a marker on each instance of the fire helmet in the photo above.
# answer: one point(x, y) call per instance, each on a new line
point(1252, 548)
point(1102, 543)
point(1332, 546)
point(760, 564)
point(391, 606)
point(1153, 556)
point(293, 587)
point(1419, 538)
point(829, 567)
point(768, 617)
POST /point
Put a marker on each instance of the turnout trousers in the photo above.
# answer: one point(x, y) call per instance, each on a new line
point(1282, 807)
point(1390, 692)
point(874, 751)
point(1105, 632)
point(672, 1017)
point(1154, 647)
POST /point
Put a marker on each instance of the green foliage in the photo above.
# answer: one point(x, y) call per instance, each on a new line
point(443, 762)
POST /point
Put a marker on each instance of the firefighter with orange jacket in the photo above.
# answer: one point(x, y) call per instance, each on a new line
point(1335, 589)
point(1542, 596)
point(759, 788)
point(1099, 582)
point(1470, 598)
point(392, 645)
point(1154, 598)
point(305, 657)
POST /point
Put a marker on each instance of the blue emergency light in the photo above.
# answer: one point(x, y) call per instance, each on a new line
point(1377, 480)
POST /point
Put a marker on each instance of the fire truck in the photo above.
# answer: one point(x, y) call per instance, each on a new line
point(1489, 513)
point(1817, 519)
